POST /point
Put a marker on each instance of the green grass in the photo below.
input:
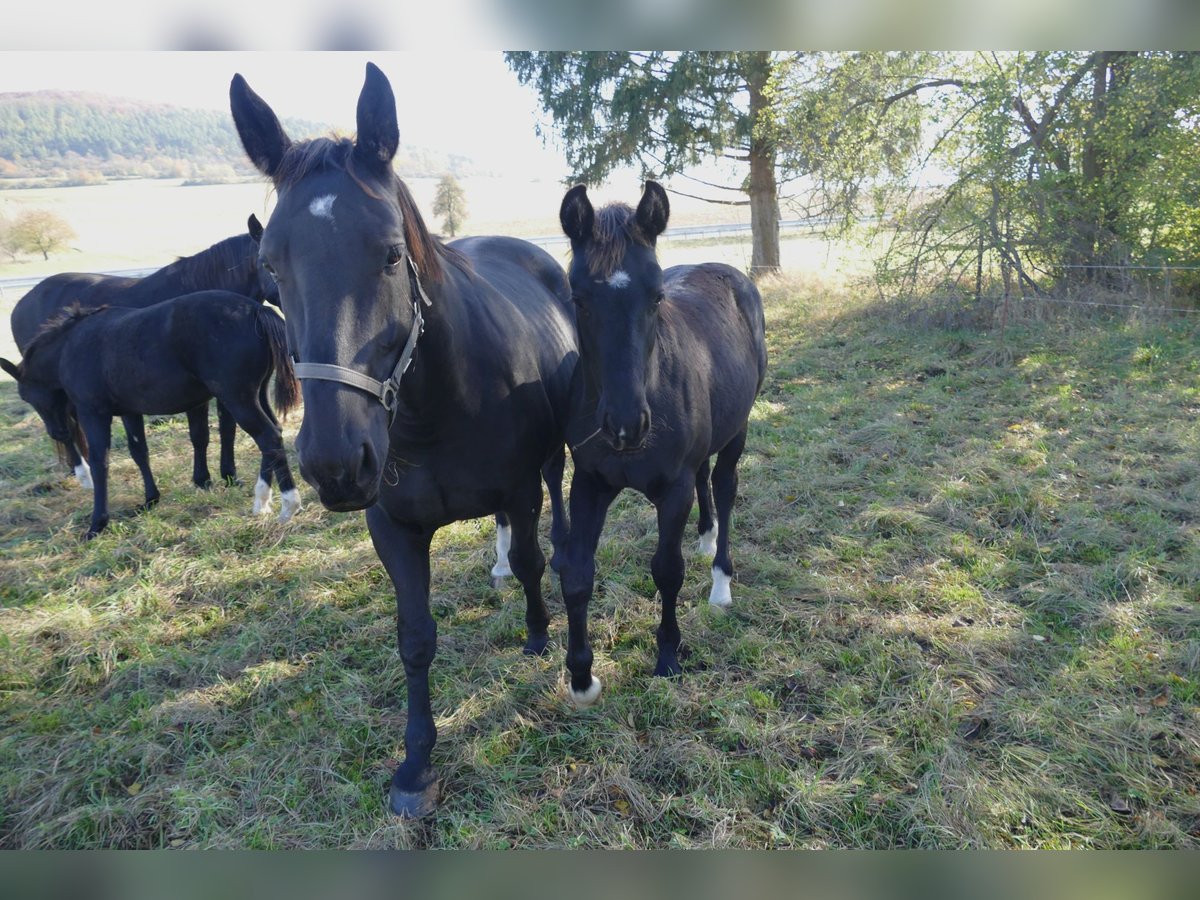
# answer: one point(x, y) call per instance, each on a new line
point(967, 614)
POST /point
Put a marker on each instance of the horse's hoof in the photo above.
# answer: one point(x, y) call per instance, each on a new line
point(720, 596)
point(500, 571)
point(205, 485)
point(584, 699)
point(536, 645)
point(668, 668)
point(415, 804)
point(289, 503)
point(150, 503)
point(262, 498)
point(232, 481)
point(497, 583)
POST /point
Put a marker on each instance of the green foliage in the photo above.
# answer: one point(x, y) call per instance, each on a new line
point(450, 203)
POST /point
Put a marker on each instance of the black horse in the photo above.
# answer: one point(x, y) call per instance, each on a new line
point(167, 358)
point(669, 366)
point(475, 346)
point(229, 265)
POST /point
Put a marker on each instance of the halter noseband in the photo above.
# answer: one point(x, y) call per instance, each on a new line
point(386, 392)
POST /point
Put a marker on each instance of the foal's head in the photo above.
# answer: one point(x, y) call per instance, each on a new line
point(617, 287)
point(267, 290)
point(337, 245)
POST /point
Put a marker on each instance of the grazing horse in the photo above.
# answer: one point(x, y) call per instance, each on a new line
point(167, 358)
point(475, 346)
point(229, 265)
point(669, 366)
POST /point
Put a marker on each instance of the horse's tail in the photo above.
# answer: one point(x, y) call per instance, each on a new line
point(287, 388)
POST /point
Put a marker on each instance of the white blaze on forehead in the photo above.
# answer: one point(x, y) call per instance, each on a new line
point(322, 207)
point(618, 279)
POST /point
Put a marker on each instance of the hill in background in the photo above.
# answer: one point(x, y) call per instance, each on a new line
point(67, 138)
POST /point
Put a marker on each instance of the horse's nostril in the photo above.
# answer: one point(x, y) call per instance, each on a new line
point(644, 423)
point(367, 463)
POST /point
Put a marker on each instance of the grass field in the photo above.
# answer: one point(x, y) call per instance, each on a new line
point(966, 615)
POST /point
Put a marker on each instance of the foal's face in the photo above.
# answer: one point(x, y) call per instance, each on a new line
point(617, 320)
point(335, 246)
point(617, 287)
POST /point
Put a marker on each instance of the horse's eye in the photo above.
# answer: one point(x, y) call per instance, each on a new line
point(581, 308)
point(394, 258)
point(270, 270)
point(659, 298)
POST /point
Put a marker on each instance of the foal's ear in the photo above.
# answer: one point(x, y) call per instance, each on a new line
point(10, 368)
point(262, 136)
point(378, 135)
point(653, 210)
point(255, 228)
point(576, 214)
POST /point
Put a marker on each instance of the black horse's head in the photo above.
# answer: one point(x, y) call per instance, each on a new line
point(268, 290)
point(37, 386)
point(617, 286)
point(338, 245)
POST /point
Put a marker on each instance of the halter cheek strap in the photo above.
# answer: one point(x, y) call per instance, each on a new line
point(386, 392)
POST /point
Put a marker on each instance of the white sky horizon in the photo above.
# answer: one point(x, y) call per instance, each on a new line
point(467, 103)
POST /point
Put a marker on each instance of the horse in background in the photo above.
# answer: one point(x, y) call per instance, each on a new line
point(167, 358)
point(231, 265)
point(670, 364)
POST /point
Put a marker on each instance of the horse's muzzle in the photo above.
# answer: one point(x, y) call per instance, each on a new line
point(343, 484)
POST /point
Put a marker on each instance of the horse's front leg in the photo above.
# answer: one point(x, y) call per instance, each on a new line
point(197, 419)
point(667, 567)
point(552, 474)
point(98, 431)
point(404, 551)
point(135, 434)
point(590, 499)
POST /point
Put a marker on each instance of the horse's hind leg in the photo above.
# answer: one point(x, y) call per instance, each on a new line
point(135, 432)
point(197, 419)
point(725, 482)
point(667, 567)
point(266, 434)
point(529, 564)
point(502, 569)
point(227, 434)
point(552, 474)
point(706, 527)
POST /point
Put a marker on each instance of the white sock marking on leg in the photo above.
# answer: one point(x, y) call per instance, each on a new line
point(262, 496)
point(503, 543)
point(83, 473)
point(720, 596)
point(289, 502)
point(708, 542)
point(586, 698)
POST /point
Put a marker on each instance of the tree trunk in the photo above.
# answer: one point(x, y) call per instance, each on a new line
point(763, 190)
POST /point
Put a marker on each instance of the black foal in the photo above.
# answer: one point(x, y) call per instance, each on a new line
point(92, 364)
point(669, 366)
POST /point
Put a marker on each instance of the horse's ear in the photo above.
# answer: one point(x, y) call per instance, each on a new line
point(255, 228)
point(257, 125)
point(653, 210)
point(576, 214)
point(378, 135)
point(10, 368)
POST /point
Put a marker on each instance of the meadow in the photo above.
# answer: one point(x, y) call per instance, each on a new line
point(966, 615)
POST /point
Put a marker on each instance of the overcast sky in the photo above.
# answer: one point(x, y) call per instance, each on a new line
point(465, 102)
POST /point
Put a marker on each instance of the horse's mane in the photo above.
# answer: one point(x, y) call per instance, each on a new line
point(614, 227)
point(337, 153)
point(202, 270)
point(55, 325)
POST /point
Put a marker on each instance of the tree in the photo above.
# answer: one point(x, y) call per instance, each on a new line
point(450, 203)
point(39, 229)
point(1062, 163)
point(667, 112)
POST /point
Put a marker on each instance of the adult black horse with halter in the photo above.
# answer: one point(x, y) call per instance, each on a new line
point(435, 377)
point(229, 265)
point(166, 358)
point(670, 364)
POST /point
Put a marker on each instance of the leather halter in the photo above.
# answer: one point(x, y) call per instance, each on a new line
point(386, 392)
